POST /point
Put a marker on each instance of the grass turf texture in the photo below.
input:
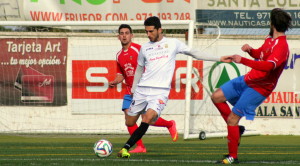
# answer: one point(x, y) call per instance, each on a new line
point(78, 150)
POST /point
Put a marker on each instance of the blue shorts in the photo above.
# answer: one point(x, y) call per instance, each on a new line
point(126, 102)
point(243, 98)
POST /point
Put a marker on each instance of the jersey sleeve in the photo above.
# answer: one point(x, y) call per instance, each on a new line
point(119, 71)
point(280, 54)
point(181, 47)
point(141, 58)
point(255, 53)
point(197, 54)
point(258, 65)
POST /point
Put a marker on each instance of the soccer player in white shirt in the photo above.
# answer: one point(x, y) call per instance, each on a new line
point(153, 76)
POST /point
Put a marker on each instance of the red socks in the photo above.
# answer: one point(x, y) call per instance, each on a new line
point(137, 135)
point(131, 130)
point(163, 123)
point(159, 123)
point(233, 131)
point(233, 140)
point(224, 109)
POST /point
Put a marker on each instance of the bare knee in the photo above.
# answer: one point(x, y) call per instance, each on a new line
point(233, 119)
point(129, 124)
point(130, 120)
point(218, 96)
point(214, 98)
point(150, 116)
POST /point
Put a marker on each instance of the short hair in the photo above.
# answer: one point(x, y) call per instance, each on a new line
point(124, 26)
point(280, 19)
point(153, 21)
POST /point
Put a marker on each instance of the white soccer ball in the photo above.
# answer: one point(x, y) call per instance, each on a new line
point(103, 148)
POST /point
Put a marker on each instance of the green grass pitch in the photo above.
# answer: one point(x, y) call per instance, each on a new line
point(67, 150)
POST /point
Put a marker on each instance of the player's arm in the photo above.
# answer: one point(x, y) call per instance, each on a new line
point(254, 53)
point(139, 70)
point(137, 76)
point(119, 78)
point(257, 65)
point(201, 55)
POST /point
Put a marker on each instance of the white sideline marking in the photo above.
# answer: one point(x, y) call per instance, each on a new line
point(291, 162)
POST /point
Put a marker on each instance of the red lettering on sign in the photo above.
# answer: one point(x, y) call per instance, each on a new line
point(283, 97)
point(90, 80)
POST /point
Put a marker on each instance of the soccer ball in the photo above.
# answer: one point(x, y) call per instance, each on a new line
point(103, 148)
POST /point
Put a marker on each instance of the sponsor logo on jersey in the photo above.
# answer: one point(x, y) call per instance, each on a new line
point(161, 101)
point(150, 48)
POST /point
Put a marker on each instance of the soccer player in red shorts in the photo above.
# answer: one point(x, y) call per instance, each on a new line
point(247, 92)
point(126, 66)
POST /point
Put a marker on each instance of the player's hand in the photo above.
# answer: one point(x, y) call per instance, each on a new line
point(131, 93)
point(112, 83)
point(227, 59)
point(236, 58)
point(246, 48)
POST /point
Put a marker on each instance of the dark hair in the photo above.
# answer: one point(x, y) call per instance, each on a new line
point(280, 19)
point(125, 26)
point(153, 21)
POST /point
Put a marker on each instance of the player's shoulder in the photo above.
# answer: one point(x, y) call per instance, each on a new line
point(268, 38)
point(175, 41)
point(135, 47)
point(119, 53)
point(135, 44)
point(147, 45)
point(167, 39)
point(282, 41)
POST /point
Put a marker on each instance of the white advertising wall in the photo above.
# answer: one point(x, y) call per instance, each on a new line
point(279, 114)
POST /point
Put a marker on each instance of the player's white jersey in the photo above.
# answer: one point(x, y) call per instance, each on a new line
point(158, 58)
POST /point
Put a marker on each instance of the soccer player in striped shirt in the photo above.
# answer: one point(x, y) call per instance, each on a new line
point(126, 66)
point(246, 93)
point(153, 76)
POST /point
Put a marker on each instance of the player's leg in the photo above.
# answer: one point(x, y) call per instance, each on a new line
point(140, 147)
point(219, 101)
point(230, 92)
point(137, 106)
point(233, 139)
point(233, 134)
point(154, 105)
point(158, 101)
point(130, 121)
point(245, 106)
point(138, 133)
point(170, 125)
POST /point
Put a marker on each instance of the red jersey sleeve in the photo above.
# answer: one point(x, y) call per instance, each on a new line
point(258, 65)
point(255, 53)
point(280, 53)
point(119, 71)
point(119, 67)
